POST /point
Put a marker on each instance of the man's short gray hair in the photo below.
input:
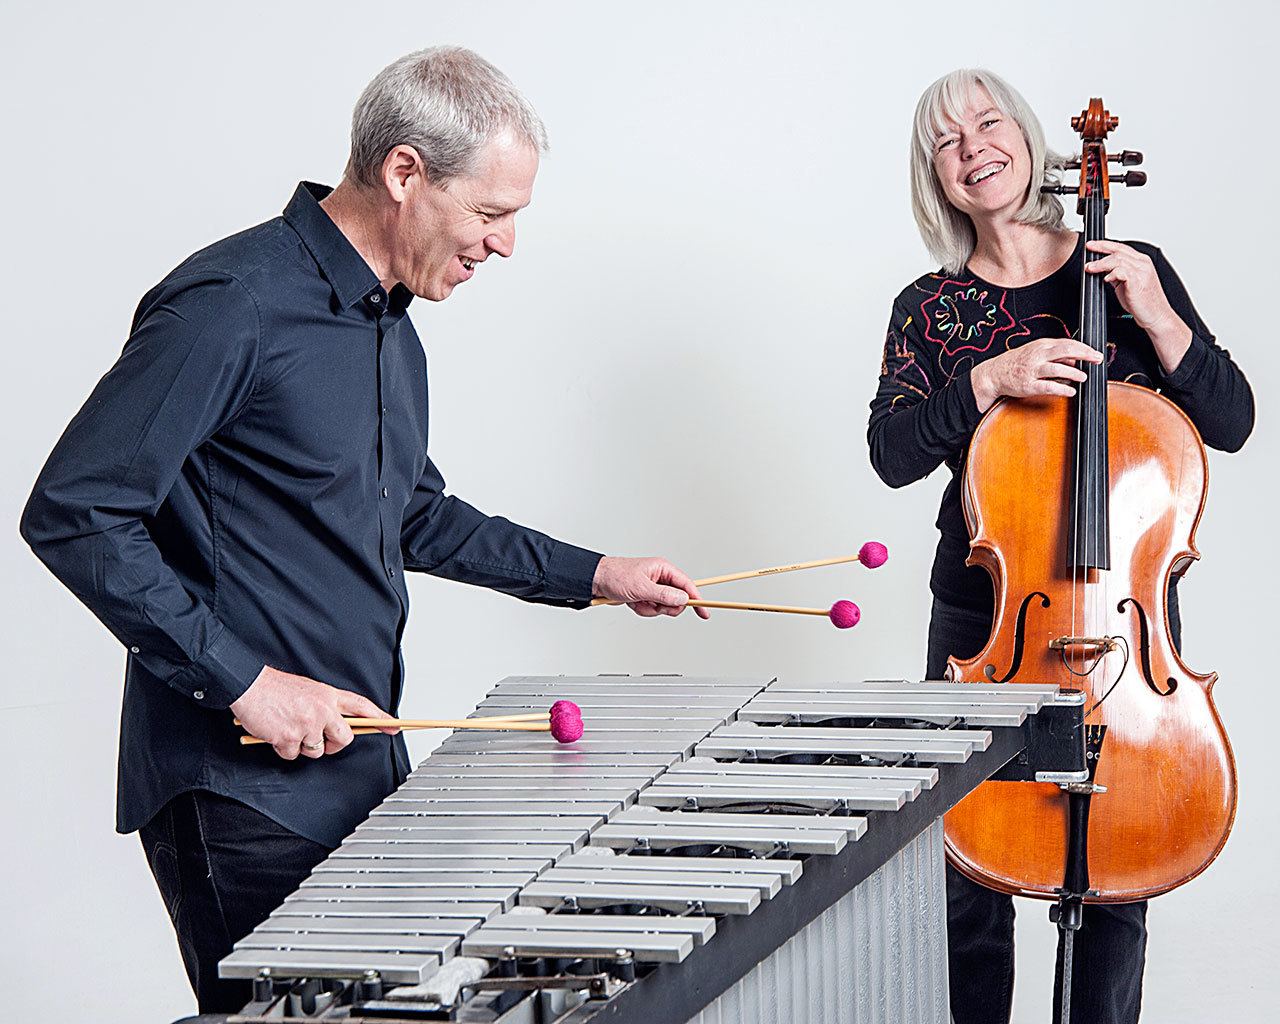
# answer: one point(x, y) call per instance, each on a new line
point(947, 233)
point(447, 103)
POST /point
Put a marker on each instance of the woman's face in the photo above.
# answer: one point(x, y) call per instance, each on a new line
point(982, 163)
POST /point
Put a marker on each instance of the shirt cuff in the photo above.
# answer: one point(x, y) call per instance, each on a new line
point(221, 674)
point(571, 570)
point(1187, 370)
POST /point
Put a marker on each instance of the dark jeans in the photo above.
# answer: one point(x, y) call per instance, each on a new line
point(1110, 947)
point(221, 868)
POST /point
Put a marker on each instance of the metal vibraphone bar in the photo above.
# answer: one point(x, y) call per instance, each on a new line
point(673, 857)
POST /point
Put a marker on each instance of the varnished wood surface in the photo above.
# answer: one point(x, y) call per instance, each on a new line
point(1166, 760)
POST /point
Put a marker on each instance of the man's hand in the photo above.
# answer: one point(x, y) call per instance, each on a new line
point(650, 586)
point(1041, 367)
point(297, 715)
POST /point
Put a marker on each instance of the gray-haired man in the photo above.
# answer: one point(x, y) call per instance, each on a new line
point(240, 497)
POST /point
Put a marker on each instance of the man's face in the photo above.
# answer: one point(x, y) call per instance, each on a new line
point(443, 233)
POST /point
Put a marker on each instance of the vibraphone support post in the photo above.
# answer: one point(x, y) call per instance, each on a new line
point(1068, 912)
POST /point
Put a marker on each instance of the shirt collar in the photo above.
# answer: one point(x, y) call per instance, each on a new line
point(351, 278)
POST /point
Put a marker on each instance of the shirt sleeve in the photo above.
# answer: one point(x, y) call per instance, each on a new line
point(1207, 385)
point(444, 536)
point(186, 369)
point(917, 420)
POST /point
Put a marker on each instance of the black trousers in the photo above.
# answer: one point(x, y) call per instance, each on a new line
point(221, 868)
point(1110, 947)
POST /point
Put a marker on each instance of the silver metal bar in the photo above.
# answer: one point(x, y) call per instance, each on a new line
point(558, 757)
point(700, 929)
point(349, 942)
point(429, 818)
point(714, 899)
point(424, 868)
point(305, 905)
point(300, 924)
point(666, 835)
point(797, 783)
point(564, 806)
point(915, 778)
point(814, 711)
point(767, 885)
point(398, 969)
point(643, 946)
point(444, 882)
point(786, 871)
point(854, 826)
point(427, 834)
point(504, 898)
point(817, 798)
point(491, 856)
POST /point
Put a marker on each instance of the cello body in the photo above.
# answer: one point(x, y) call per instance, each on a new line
point(1164, 759)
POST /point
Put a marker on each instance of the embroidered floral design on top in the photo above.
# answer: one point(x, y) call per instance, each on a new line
point(900, 365)
point(964, 316)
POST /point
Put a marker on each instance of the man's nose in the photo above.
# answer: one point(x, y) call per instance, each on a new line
point(503, 240)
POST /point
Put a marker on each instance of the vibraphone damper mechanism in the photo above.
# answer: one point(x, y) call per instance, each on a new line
point(711, 849)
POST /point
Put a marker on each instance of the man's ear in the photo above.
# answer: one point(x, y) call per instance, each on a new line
point(402, 170)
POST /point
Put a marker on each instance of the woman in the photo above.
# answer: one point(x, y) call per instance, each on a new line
point(997, 321)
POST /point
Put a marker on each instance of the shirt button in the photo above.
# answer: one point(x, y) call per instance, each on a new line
point(375, 298)
point(384, 492)
point(135, 650)
point(198, 695)
point(391, 573)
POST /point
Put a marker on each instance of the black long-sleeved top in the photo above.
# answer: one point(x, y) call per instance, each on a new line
point(924, 413)
point(246, 487)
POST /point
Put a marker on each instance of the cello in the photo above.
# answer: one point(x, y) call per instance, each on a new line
point(1083, 511)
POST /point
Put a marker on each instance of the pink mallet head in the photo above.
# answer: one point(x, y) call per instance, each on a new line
point(873, 554)
point(566, 726)
point(566, 705)
point(844, 614)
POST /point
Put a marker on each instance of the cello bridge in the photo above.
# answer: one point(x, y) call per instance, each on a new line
point(1084, 644)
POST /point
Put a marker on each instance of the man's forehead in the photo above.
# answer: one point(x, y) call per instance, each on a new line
point(505, 172)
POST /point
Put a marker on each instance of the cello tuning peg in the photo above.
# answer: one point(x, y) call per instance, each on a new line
point(1074, 164)
point(1060, 190)
point(1127, 158)
point(1131, 178)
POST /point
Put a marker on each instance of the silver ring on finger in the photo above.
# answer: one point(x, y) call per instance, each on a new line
point(313, 746)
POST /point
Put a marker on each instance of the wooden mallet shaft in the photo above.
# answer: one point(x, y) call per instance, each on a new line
point(774, 570)
point(364, 726)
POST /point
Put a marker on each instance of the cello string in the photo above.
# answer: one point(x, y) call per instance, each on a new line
point(1074, 545)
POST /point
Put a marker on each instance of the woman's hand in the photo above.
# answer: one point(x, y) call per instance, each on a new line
point(1040, 367)
point(1138, 287)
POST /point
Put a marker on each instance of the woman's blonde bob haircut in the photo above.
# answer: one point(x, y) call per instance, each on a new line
point(947, 233)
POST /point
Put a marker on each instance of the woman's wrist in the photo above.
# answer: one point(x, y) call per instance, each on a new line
point(984, 391)
point(1171, 340)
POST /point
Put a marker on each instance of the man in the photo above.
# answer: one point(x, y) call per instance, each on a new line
point(240, 496)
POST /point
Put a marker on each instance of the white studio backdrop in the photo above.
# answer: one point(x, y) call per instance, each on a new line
point(677, 360)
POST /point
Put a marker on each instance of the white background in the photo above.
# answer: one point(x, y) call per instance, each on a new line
point(678, 360)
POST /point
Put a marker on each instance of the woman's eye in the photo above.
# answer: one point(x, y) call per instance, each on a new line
point(946, 143)
point(990, 121)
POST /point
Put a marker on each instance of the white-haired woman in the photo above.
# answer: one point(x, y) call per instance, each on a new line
point(996, 320)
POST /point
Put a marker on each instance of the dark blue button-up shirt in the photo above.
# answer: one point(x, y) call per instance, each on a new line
point(245, 488)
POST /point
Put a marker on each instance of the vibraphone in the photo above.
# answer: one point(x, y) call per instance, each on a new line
point(712, 849)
